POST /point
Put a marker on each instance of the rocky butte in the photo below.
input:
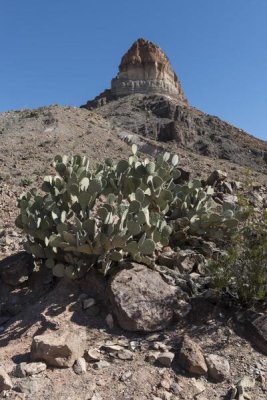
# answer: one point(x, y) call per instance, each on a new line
point(146, 99)
point(145, 69)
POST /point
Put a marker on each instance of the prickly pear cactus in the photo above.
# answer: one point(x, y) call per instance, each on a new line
point(83, 217)
point(195, 212)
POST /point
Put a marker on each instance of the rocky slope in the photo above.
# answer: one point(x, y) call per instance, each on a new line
point(111, 360)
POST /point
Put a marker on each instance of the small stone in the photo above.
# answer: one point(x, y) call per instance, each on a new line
point(218, 367)
point(57, 349)
point(152, 356)
point(197, 386)
point(133, 345)
point(166, 358)
point(110, 321)
point(23, 369)
point(158, 346)
point(125, 355)
point(123, 342)
point(261, 378)
point(79, 366)
point(191, 357)
point(5, 381)
point(101, 364)
point(165, 383)
point(175, 388)
point(183, 308)
point(92, 355)
point(153, 337)
point(87, 303)
point(125, 376)
point(112, 348)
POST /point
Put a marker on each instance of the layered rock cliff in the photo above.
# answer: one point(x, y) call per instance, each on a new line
point(146, 69)
point(143, 69)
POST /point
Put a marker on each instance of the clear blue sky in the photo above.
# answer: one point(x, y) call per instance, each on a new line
point(67, 51)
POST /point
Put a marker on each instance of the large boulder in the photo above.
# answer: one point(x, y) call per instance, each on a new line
point(57, 349)
point(141, 300)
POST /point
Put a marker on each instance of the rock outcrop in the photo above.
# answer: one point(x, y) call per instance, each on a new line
point(146, 69)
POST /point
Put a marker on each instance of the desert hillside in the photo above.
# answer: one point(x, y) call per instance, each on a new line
point(157, 326)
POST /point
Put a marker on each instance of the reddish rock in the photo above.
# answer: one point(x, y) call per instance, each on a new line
point(191, 357)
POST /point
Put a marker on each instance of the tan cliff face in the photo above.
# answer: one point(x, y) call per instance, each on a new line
point(146, 69)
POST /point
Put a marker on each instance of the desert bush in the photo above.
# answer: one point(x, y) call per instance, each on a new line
point(242, 270)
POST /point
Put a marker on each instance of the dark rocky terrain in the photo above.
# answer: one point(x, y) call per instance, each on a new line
point(160, 118)
point(145, 105)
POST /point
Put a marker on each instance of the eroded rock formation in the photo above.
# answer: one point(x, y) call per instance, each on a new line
point(146, 69)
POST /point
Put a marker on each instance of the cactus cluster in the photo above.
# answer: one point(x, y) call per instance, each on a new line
point(85, 217)
point(196, 212)
point(104, 215)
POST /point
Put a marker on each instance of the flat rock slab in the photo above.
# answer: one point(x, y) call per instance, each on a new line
point(141, 300)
